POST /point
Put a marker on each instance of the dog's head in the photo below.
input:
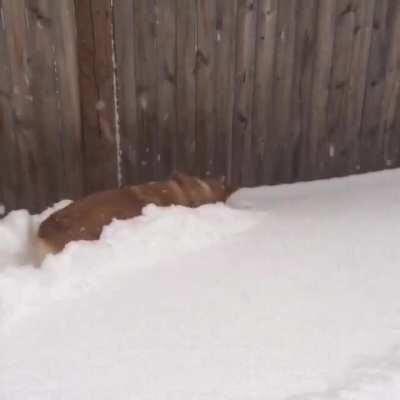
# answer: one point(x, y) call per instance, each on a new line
point(219, 187)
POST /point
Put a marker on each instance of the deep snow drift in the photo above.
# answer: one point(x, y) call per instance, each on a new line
point(288, 292)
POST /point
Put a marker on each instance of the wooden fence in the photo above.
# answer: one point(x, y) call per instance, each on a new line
point(99, 93)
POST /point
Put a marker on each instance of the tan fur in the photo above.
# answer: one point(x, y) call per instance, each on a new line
point(84, 219)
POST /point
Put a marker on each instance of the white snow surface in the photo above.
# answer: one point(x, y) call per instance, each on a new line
point(287, 292)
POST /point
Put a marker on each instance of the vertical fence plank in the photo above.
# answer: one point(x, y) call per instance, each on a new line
point(335, 148)
point(282, 90)
point(224, 84)
point(352, 44)
point(371, 143)
point(166, 26)
point(351, 48)
point(124, 32)
point(41, 27)
point(263, 95)
point(43, 24)
point(363, 21)
point(186, 31)
point(9, 168)
point(97, 95)
point(320, 87)
point(146, 85)
point(301, 92)
point(31, 182)
point(391, 98)
point(205, 86)
point(383, 76)
point(4, 94)
point(242, 169)
point(67, 98)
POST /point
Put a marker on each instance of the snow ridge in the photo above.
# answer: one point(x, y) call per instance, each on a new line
point(124, 245)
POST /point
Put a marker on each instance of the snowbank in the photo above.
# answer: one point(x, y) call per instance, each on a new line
point(160, 233)
point(287, 293)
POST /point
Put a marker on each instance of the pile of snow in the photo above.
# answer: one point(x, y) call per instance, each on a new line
point(287, 293)
point(2, 209)
point(160, 233)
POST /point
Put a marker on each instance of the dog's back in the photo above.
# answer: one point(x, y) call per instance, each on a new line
point(84, 219)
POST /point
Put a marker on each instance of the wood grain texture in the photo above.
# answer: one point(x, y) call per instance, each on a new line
point(350, 61)
point(263, 91)
point(66, 72)
point(41, 26)
point(8, 171)
point(165, 160)
point(9, 168)
point(297, 114)
point(263, 134)
point(148, 147)
point(318, 134)
point(226, 14)
point(52, 54)
point(336, 148)
point(186, 33)
point(94, 18)
point(125, 54)
point(242, 166)
point(40, 106)
point(371, 143)
point(303, 76)
point(388, 124)
point(363, 22)
point(25, 143)
point(205, 86)
point(282, 89)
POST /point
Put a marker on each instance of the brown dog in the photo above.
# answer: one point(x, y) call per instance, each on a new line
point(84, 219)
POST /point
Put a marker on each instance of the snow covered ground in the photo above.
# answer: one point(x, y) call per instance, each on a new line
point(288, 292)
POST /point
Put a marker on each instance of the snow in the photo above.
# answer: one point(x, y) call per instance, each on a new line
point(287, 292)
